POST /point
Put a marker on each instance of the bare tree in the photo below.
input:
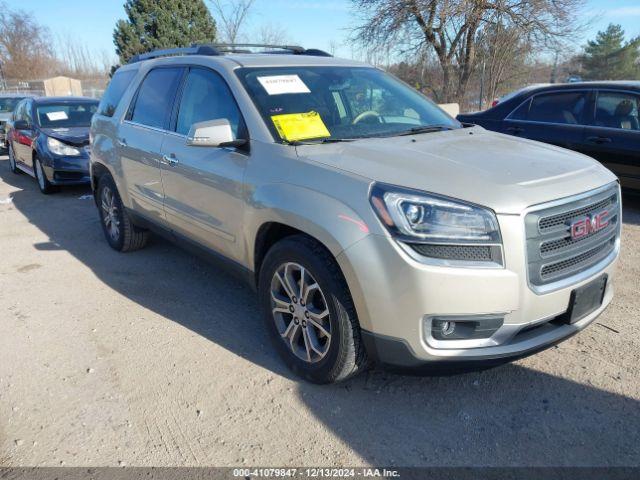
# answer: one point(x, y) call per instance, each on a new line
point(333, 46)
point(505, 53)
point(452, 29)
point(78, 60)
point(231, 17)
point(272, 34)
point(25, 49)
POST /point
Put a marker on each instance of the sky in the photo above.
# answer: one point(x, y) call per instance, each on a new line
point(310, 23)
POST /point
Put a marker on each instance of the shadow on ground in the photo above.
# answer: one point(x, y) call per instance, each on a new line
point(511, 415)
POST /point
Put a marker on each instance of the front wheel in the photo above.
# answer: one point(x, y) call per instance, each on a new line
point(117, 226)
point(12, 161)
point(309, 311)
point(43, 183)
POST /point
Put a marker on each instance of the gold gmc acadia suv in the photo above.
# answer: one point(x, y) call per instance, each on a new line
point(375, 227)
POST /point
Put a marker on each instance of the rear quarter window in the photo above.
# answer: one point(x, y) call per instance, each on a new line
point(114, 92)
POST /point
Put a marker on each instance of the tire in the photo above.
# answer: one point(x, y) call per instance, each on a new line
point(294, 322)
point(120, 232)
point(12, 161)
point(43, 183)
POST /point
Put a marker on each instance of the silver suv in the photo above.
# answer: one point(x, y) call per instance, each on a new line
point(375, 227)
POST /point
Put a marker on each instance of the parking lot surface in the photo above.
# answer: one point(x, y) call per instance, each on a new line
point(158, 358)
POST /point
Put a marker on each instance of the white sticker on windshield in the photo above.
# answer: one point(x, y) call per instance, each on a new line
point(53, 116)
point(279, 84)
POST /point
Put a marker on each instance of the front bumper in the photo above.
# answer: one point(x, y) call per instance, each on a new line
point(67, 170)
point(400, 294)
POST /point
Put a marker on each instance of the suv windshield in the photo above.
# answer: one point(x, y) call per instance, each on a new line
point(8, 104)
point(339, 103)
point(66, 115)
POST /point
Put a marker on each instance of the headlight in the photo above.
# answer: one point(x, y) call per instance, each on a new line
point(439, 227)
point(59, 148)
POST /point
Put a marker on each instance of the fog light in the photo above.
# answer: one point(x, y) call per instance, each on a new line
point(446, 327)
point(464, 328)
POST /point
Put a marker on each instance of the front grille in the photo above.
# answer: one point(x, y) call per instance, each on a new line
point(558, 221)
point(553, 254)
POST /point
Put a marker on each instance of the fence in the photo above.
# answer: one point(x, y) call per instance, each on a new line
point(90, 87)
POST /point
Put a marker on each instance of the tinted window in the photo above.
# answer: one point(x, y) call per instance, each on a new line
point(521, 112)
point(114, 92)
point(206, 97)
point(618, 110)
point(564, 108)
point(155, 97)
point(65, 115)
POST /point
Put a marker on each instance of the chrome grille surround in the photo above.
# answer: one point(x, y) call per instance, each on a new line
point(554, 259)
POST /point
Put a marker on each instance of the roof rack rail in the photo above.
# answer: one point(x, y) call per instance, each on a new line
point(244, 48)
point(267, 49)
point(215, 49)
point(167, 52)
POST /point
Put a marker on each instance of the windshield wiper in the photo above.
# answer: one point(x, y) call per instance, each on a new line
point(425, 129)
point(324, 140)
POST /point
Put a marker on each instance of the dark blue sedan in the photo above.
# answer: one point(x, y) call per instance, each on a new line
point(599, 119)
point(48, 138)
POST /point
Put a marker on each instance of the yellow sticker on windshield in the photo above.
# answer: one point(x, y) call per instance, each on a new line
point(300, 126)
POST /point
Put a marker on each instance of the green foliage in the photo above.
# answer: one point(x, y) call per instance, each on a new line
point(609, 57)
point(153, 24)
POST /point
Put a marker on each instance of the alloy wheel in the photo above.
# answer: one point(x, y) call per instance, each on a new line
point(300, 312)
point(12, 159)
point(40, 176)
point(110, 213)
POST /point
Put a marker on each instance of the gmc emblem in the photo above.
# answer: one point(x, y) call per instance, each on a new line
point(588, 225)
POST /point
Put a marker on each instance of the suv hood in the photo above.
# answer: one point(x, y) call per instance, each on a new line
point(76, 136)
point(503, 173)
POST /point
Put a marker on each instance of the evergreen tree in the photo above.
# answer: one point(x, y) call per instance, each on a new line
point(609, 57)
point(153, 24)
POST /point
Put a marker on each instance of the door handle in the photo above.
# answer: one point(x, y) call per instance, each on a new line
point(169, 160)
point(515, 130)
point(599, 140)
point(122, 142)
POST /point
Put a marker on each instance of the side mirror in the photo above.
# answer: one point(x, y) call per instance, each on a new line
point(213, 133)
point(21, 125)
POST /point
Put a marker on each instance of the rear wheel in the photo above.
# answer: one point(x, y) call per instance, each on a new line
point(12, 161)
point(43, 183)
point(117, 226)
point(309, 311)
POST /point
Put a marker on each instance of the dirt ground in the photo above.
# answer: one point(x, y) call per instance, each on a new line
point(158, 358)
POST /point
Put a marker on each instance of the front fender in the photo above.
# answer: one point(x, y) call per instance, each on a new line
point(326, 218)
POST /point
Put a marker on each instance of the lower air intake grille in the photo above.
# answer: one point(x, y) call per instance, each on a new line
point(469, 253)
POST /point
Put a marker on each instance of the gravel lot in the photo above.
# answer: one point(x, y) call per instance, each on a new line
point(158, 358)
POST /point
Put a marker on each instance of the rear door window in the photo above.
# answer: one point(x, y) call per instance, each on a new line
point(114, 92)
point(562, 108)
point(155, 97)
point(618, 110)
